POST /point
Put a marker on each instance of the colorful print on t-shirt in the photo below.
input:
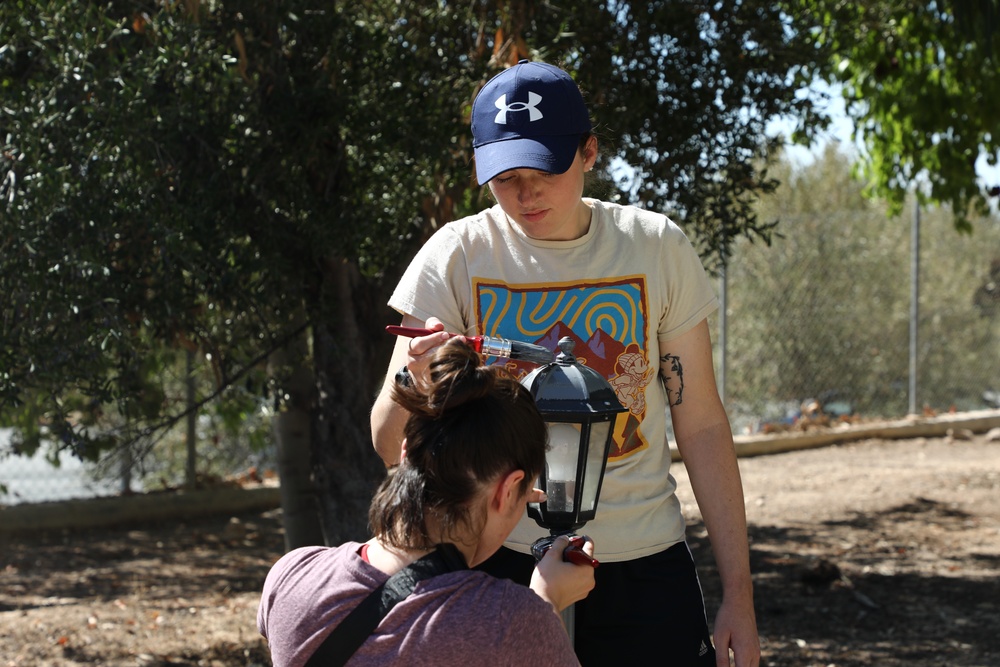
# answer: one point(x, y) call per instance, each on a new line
point(607, 321)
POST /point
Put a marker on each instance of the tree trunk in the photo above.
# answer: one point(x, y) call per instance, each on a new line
point(293, 433)
point(299, 504)
point(351, 350)
point(191, 464)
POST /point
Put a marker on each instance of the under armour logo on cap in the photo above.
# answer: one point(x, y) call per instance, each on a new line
point(531, 106)
point(530, 116)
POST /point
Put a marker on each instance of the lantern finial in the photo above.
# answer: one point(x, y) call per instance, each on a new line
point(566, 345)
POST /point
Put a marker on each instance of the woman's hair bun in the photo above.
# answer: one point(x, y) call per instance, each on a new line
point(457, 375)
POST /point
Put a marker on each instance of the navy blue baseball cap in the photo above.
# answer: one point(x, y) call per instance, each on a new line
point(530, 116)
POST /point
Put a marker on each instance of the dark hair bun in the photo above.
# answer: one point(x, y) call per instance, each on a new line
point(457, 376)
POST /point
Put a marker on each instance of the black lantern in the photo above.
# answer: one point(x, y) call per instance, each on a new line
point(579, 408)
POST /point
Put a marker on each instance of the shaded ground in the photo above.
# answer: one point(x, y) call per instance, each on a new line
point(161, 595)
point(875, 553)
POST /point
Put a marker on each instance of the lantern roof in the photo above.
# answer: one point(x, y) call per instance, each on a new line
point(566, 388)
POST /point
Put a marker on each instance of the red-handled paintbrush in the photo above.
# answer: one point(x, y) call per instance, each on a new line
point(489, 346)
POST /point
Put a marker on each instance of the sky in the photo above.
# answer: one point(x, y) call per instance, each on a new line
point(840, 128)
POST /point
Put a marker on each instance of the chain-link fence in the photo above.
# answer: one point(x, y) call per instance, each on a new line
point(822, 319)
point(141, 467)
point(36, 479)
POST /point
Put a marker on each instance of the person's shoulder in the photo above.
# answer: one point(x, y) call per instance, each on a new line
point(302, 554)
point(634, 220)
point(313, 556)
point(481, 222)
point(478, 227)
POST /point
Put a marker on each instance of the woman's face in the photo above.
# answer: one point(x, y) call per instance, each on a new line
point(499, 525)
point(547, 207)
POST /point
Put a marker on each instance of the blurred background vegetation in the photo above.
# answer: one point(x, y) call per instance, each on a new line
point(205, 204)
point(824, 313)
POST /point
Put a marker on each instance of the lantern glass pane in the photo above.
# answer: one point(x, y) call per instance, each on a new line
point(595, 460)
point(560, 466)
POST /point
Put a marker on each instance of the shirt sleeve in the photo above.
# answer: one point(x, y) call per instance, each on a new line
point(436, 283)
point(690, 297)
point(277, 580)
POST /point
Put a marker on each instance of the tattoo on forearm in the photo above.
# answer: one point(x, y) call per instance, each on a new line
point(673, 380)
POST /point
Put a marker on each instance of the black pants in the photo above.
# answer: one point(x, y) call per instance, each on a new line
point(647, 611)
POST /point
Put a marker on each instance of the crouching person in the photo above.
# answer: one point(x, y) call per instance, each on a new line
point(474, 444)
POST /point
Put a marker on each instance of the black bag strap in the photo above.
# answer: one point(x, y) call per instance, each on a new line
point(351, 633)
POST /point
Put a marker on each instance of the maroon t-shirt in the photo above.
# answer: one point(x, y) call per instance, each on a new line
point(459, 618)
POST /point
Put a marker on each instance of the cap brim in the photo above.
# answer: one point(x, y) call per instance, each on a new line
point(553, 155)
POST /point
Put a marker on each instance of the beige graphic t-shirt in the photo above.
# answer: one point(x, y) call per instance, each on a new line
point(630, 284)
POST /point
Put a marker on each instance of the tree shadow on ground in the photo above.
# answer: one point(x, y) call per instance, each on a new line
point(885, 588)
point(251, 653)
point(53, 569)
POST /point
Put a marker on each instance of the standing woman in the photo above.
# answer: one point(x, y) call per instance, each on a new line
point(473, 445)
point(625, 283)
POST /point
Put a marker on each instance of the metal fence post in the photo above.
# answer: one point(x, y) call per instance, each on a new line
point(914, 300)
point(723, 289)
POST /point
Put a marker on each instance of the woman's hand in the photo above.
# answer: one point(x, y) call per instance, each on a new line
point(420, 350)
point(561, 583)
point(388, 418)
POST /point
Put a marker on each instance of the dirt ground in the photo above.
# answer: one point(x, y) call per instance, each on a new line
point(873, 553)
